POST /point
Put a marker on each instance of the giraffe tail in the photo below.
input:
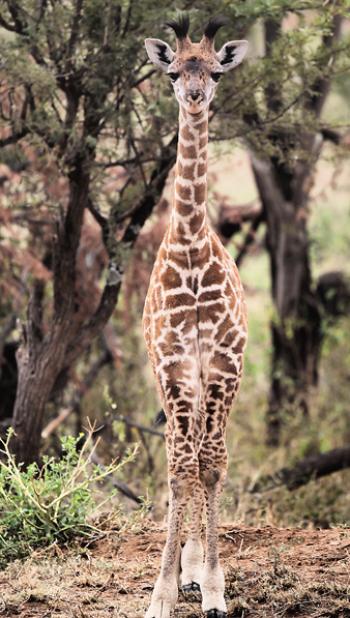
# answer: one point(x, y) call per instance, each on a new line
point(160, 418)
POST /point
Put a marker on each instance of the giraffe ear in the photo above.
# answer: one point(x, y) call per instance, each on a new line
point(159, 52)
point(232, 53)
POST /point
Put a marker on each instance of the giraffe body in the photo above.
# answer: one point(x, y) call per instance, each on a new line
point(195, 329)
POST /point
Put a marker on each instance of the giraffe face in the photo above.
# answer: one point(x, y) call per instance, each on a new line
point(194, 79)
point(195, 68)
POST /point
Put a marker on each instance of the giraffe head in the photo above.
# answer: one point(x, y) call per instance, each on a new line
point(195, 68)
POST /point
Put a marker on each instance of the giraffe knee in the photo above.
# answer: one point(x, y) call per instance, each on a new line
point(212, 465)
point(210, 477)
point(213, 456)
point(183, 477)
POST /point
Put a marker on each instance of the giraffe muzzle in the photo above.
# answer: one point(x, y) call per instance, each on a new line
point(195, 96)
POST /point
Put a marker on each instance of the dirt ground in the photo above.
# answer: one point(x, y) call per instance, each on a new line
point(270, 572)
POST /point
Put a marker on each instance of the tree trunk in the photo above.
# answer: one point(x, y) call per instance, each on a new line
point(295, 328)
point(41, 358)
point(294, 369)
point(284, 180)
point(36, 380)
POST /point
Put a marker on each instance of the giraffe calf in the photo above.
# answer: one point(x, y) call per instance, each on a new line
point(195, 329)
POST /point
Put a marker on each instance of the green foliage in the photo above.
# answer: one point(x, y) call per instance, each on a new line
point(50, 504)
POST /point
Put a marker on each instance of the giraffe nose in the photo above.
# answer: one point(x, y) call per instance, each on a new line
point(194, 95)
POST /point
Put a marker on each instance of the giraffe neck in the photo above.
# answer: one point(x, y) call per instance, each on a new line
point(189, 212)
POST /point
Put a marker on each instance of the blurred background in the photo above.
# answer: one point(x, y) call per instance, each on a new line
point(88, 139)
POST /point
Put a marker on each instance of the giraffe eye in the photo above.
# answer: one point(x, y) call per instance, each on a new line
point(216, 76)
point(173, 76)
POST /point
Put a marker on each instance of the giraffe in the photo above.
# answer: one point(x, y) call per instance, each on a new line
point(195, 328)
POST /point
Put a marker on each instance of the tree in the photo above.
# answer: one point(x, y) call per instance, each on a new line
point(285, 132)
point(72, 85)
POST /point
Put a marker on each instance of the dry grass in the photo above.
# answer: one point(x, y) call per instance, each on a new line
point(270, 572)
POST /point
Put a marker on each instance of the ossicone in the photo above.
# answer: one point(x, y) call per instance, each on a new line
point(213, 25)
point(180, 26)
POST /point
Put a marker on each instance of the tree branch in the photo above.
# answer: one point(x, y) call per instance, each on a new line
point(321, 87)
point(142, 428)
point(305, 470)
point(119, 485)
point(331, 135)
point(273, 92)
point(75, 401)
point(231, 218)
point(6, 25)
point(13, 138)
point(115, 271)
point(249, 238)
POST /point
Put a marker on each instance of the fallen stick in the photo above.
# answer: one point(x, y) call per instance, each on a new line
point(305, 470)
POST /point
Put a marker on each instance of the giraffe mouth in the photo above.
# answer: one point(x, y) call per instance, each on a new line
point(195, 108)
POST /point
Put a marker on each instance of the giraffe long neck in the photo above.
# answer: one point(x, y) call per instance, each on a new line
point(189, 212)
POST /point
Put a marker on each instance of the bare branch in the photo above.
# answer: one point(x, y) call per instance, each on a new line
point(331, 135)
point(115, 271)
point(119, 485)
point(249, 238)
point(306, 470)
point(6, 25)
point(142, 428)
point(75, 401)
point(14, 137)
point(321, 87)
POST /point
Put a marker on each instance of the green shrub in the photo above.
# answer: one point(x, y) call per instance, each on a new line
point(53, 503)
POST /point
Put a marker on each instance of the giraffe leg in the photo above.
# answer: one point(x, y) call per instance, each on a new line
point(219, 396)
point(181, 404)
point(165, 591)
point(192, 554)
point(212, 581)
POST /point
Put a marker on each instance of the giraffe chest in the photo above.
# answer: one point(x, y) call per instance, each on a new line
point(195, 303)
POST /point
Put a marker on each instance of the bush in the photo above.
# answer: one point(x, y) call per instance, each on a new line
point(53, 503)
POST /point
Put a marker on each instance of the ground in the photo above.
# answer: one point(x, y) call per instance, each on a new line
point(270, 572)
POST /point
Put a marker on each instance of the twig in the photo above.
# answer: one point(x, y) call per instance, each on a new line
point(249, 238)
point(74, 404)
point(142, 428)
point(119, 485)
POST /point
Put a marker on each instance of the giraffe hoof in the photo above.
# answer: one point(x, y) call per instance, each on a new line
point(191, 591)
point(192, 587)
point(215, 613)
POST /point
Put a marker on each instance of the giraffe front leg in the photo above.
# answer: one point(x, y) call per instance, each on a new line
point(178, 383)
point(212, 474)
point(219, 396)
point(192, 555)
point(213, 581)
point(165, 591)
